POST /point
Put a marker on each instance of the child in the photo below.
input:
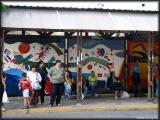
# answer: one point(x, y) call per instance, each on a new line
point(25, 86)
point(68, 84)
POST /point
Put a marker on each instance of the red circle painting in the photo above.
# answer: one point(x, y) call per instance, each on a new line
point(89, 67)
point(24, 48)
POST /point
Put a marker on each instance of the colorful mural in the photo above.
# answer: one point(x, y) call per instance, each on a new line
point(102, 56)
point(18, 54)
point(139, 50)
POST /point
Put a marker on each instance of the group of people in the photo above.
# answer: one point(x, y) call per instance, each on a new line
point(33, 84)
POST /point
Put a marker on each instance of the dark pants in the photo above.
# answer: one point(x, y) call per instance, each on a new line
point(34, 97)
point(57, 91)
point(136, 85)
point(41, 92)
point(1, 95)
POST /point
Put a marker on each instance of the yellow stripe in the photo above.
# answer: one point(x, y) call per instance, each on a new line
point(65, 109)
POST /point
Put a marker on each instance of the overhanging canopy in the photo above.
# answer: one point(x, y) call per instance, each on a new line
point(79, 20)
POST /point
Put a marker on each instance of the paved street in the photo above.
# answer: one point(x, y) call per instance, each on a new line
point(100, 107)
point(101, 100)
point(146, 114)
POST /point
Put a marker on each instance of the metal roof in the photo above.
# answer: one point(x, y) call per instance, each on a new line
point(66, 19)
point(132, 6)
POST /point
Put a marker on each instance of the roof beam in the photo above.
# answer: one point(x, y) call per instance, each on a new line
point(44, 33)
point(68, 34)
point(105, 35)
point(6, 31)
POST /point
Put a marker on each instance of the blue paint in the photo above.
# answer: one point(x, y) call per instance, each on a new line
point(13, 76)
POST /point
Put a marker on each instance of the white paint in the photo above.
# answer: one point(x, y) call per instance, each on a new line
point(79, 20)
point(129, 5)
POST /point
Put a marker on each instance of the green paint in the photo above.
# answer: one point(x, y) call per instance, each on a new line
point(26, 59)
point(52, 59)
point(19, 58)
point(98, 60)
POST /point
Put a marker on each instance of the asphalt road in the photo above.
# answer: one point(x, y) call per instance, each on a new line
point(146, 114)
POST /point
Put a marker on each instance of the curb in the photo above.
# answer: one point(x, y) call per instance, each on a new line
point(82, 109)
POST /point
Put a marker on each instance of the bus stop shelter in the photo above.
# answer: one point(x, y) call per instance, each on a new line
point(79, 21)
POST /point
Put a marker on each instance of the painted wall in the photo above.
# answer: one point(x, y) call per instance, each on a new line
point(139, 50)
point(102, 56)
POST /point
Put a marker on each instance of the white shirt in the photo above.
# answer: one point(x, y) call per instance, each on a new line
point(34, 77)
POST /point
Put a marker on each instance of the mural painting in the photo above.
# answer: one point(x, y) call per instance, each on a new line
point(139, 50)
point(102, 56)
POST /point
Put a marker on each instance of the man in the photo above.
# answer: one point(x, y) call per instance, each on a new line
point(135, 71)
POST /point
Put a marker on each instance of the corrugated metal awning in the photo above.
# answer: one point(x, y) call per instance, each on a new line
point(116, 5)
point(79, 20)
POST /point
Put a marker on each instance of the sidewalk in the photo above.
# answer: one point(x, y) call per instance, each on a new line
point(101, 103)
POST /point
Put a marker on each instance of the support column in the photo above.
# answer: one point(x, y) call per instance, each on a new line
point(152, 65)
point(1, 60)
point(66, 51)
point(66, 54)
point(126, 62)
point(79, 67)
point(1, 50)
point(149, 66)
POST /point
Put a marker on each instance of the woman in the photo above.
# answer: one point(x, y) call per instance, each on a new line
point(92, 83)
point(35, 79)
point(56, 75)
point(43, 72)
point(113, 83)
point(68, 84)
point(2, 89)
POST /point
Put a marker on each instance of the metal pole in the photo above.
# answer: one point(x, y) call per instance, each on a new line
point(1, 50)
point(126, 61)
point(1, 58)
point(81, 65)
point(149, 66)
point(78, 74)
point(152, 56)
point(66, 54)
point(159, 73)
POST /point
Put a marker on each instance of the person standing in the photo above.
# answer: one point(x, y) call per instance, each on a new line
point(84, 88)
point(68, 84)
point(35, 79)
point(157, 81)
point(43, 72)
point(92, 83)
point(136, 71)
point(2, 89)
point(56, 75)
point(25, 86)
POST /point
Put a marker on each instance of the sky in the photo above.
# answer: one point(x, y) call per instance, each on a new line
point(153, 6)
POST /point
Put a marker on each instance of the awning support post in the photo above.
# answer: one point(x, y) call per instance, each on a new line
point(66, 52)
point(79, 67)
point(150, 66)
point(1, 58)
